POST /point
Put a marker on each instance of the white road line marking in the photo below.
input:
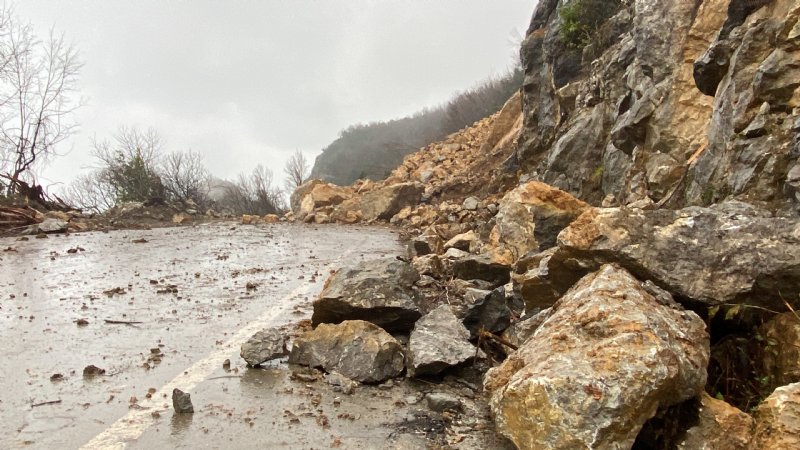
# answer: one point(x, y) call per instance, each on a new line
point(134, 424)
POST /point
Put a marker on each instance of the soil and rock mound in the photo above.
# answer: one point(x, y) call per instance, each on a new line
point(619, 243)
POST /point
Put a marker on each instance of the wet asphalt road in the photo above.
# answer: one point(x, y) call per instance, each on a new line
point(185, 292)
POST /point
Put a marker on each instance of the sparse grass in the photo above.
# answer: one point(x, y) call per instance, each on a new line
point(580, 20)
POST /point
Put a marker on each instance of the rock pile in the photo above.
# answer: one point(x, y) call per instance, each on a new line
point(445, 182)
point(625, 230)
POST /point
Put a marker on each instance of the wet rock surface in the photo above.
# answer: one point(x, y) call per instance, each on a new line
point(604, 342)
point(357, 349)
point(378, 291)
point(182, 402)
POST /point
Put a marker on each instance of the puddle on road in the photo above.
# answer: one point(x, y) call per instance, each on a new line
point(147, 311)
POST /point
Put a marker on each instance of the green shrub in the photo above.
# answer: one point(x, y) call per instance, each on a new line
point(580, 20)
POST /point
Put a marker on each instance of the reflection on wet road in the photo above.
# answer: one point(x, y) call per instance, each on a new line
point(153, 309)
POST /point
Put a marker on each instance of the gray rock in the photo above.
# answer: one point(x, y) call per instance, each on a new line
point(625, 117)
point(488, 311)
point(51, 225)
point(608, 357)
point(523, 329)
point(441, 402)
point(725, 254)
point(341, 383)
point(182, 402)
point(425, 244)
point(470, 204)
point(481, 268)
point(454, 253)
point(439, 341)
point(357, 349)
point(430, 265)
point(379, 291)
point(264, 346)
point(543, 278)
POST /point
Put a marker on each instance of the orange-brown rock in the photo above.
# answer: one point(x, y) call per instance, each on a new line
point(609, 355)
point(530, 217)
point(719, 426)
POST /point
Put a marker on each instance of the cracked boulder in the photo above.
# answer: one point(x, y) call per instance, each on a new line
point(608, 357)
point(729, 253)
point(439, 341)
point(379, 291)
point(359, 350)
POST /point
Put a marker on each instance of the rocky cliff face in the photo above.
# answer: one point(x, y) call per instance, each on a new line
point(682, 102)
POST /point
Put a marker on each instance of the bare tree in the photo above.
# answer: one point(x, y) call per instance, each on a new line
point(130, 164)
point(253, 194)
point(89, 192)
point(37, 81)
point(296, 171)
point(185, 177)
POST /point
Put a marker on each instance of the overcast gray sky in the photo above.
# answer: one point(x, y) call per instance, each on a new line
point(247, 82)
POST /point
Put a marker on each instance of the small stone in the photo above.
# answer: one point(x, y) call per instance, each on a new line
point(440, 402)
point(341, 383)
point(91, 370)
point(470, 204)
point(182, 401)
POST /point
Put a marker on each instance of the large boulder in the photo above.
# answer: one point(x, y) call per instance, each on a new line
point(530, 218)
point(321, 195)
point(264, 346)
point(379, 291)
point(730, 253)
point(52, 225)
point(297, 196)
point(606, 359)
point(383, 203)
point(438, 341)
point(357, 349)
point(778, 420)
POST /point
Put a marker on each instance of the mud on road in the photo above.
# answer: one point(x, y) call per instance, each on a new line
point(165, 308)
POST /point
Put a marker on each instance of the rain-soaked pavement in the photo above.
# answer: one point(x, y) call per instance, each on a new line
point(164, 308)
